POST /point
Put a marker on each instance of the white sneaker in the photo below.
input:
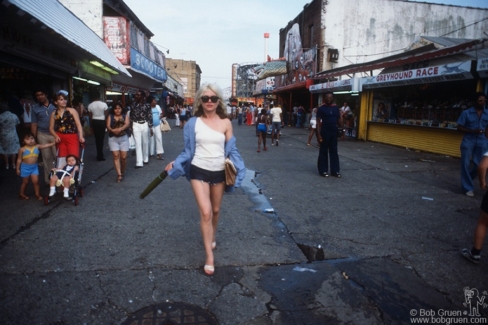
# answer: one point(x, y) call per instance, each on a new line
point(52, 191)
point(66, 194)
point(470, 193)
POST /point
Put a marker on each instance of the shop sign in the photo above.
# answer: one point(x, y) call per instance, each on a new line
point(116, 37)
point(482, 67)
point(146, 66)
point(338, 85)
point(447, 72)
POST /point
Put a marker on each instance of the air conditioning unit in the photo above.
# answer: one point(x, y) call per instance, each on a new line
point(333, 55)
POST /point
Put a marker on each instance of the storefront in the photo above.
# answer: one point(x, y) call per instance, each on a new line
point(38, 52)
point(422, 93)
point(418, 108)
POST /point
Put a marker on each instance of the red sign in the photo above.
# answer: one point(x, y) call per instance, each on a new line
point(116, 37)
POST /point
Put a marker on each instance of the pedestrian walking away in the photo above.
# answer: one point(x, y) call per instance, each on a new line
point(65, 126)
point(41, 114)
point(474, 254)
point(97, 111)
point(27, 166)
point(276, 123)
point(118, 140)
point(141, 119)
point(262, 128)
point(313, 125)
point(328, 121)
point(473, 122)
point(208, 141)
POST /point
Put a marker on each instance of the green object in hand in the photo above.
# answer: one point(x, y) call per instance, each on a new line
point(153, 184)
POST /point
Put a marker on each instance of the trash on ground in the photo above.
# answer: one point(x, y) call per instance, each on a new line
point(427, 198)
point(303, 269)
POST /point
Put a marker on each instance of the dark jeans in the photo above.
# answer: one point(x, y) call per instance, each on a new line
point(239, 118)
point(99, 133)
point(328, 148)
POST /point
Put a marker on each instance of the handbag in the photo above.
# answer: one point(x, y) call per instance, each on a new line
point(230, 172)
point(164, 126)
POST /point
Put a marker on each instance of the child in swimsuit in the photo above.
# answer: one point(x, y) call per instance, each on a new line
point(64, 175)
point(27, 167)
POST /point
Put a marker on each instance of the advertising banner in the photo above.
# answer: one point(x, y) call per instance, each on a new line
point(116, 37)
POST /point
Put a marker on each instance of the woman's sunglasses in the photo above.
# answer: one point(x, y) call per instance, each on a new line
point(205, 99)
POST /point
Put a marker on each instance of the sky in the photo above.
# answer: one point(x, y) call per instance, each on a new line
point(217, 33)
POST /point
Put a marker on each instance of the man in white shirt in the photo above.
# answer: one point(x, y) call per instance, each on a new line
point(277, 123)
point(98, 114)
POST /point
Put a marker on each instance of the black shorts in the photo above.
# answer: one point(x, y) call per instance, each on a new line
point(484, 203)
point(207, 176)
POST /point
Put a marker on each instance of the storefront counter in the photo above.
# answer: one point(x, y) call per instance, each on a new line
point(440, 140)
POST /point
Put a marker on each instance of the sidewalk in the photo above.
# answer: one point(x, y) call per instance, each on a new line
point(374, 247)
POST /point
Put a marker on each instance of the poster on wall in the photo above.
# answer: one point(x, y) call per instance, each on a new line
point(116, 37)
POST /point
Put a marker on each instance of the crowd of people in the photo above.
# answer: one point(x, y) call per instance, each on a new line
point(56, 133)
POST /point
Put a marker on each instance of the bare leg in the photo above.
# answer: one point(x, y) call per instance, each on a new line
point(116, 157)
point(480, 231)
point(208, 200)
point(35, 182)
point(123, 162)
point(25, 181)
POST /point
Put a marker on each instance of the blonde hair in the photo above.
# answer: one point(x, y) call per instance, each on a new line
point(198, 108)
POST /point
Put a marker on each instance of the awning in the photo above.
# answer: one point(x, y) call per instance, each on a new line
point(338, 85)
point(397, 60)
point(55, 16)
point(294, 86)
point(448, 72)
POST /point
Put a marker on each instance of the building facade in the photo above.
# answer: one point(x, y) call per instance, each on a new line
point(129, 40)
point(187, 73)
point(329, 34)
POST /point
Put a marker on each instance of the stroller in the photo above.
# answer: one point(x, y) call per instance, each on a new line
point(75, 190)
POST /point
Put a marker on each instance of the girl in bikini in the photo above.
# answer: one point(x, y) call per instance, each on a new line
point(27, 167)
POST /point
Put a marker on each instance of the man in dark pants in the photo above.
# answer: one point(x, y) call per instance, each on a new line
point(98, 113)
point(328, 121)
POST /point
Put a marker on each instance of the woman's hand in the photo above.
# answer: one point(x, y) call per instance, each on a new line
point(82, 139)
point(169, 166)
point(57, 139)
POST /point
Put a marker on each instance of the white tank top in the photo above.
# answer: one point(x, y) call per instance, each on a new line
point(209, 147)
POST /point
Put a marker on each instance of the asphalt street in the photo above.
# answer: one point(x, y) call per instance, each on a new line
point(378, 246)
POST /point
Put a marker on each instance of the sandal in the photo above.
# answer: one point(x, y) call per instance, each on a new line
point(23, 197)
point(160, 157)
point(120, 178)
point(39, 197)
point(209, 269)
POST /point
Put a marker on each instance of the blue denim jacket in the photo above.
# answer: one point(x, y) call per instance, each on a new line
point(181, 166)
point(470, 120)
